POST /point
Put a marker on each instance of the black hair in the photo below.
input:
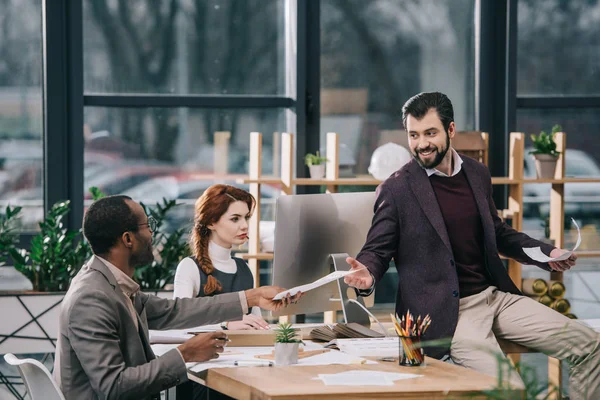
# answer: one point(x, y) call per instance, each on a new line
point(420, 104)
point(106, 220)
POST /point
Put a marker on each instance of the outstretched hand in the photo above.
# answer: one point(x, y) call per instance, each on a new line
point(361, 279)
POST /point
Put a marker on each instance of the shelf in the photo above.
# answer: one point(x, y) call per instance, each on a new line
point(503, 181)
point(358, 181)
point(258, 256)
point(588, 254)
point(559, 181)
point(267, 180)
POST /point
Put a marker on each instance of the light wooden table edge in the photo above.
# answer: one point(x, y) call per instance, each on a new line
point(230, 386)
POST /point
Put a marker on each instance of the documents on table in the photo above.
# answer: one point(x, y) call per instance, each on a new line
point(250, 353)
point(375, 347)
point(364, 378)
point(535, 253)
point(319, 282)
point(175, 336)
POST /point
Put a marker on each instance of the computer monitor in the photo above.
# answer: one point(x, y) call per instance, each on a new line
point(308, 229)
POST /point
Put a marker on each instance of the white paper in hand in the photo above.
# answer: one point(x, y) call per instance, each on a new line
point(536, 254)
point(319, 282)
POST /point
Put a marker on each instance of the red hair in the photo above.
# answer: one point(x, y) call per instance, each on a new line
point(209, 208)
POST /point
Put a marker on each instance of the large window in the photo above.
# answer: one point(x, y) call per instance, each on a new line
point(173, 46)
point(377, 54)
point(21, 159)
point(558, 47)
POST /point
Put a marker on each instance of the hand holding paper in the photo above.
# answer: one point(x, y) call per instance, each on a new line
point(319, 282)
point(559, 261)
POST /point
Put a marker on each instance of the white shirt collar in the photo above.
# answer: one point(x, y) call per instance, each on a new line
point(457, 166)
point(218, 253)
point(127, 285)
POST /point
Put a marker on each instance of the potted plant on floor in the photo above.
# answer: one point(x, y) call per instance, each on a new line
point(545, 154)
point(316, 165)
point(286, 344)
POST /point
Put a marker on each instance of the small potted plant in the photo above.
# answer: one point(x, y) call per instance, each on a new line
point(286, 344)
point(545, 154)
point(316, 165)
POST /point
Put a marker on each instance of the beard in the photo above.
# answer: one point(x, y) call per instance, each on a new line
point(439, 155)
point(143, 257)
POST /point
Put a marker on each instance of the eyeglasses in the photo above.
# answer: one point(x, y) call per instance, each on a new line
point(152, 224)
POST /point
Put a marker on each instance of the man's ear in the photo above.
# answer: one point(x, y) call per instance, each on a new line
point(451, 129)
point(127, 239)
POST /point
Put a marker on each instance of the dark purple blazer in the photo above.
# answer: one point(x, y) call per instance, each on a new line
point(408, 226)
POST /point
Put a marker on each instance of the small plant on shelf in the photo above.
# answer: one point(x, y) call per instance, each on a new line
point(316, 165)
point(545, 153)
point(544, 143)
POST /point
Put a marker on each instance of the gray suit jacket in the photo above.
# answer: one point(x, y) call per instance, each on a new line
point(408, 226)
point(101, 355)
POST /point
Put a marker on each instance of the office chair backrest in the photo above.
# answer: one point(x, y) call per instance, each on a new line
point(36, 377)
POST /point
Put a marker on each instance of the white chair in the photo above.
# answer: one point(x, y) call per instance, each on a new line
point(37, 378)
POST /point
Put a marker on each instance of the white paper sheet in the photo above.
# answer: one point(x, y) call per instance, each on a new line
point(535, 253)
point(175, 336)
point(374, 347)
point(319, 282)
point(364, 378)
point(248, 353)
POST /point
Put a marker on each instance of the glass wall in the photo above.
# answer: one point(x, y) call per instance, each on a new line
point(21, 123)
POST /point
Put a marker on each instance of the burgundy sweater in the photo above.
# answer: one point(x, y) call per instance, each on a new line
point(465, 231)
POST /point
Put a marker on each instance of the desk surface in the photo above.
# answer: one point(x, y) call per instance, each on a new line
point(440, 380)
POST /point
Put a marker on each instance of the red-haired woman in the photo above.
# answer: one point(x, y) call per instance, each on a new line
point(221, 217)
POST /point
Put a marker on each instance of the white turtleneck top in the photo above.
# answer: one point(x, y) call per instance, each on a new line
point(187, 276)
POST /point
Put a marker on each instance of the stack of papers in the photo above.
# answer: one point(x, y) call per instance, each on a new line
point(327, 333)
point(364, 378)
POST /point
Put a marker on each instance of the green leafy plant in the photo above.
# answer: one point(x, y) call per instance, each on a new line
point(9, 236)
point(56, 254)
point(544, 143)
point(314, 159)
point(285, 333)
point(170, 249)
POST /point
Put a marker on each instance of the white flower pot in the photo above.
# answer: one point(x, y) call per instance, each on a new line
point(286, 353)
point(545, 165)
point(317, 171)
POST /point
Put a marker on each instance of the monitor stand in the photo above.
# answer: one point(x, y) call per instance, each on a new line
point(352, 311)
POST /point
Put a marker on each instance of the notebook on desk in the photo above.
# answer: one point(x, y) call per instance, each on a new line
point(328, 333)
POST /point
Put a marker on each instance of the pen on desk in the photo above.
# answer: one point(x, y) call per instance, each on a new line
point(253, 363)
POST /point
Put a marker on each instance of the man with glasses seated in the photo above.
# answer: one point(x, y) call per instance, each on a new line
point(103, 350)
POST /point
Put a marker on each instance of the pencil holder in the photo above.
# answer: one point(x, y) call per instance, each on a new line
point(411, 352)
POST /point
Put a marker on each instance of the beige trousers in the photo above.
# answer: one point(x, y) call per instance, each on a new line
point(494, 314)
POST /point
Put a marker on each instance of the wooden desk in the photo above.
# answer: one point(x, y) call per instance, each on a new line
point(440, 380)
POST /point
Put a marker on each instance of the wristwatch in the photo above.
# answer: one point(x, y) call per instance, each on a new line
point(224, 325)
